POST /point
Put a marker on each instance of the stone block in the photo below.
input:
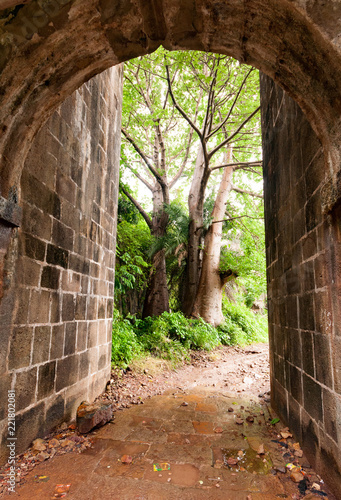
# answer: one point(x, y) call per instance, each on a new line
point(323, 359)
point(36, 223)
point(110, 307)
point(102, 357)
point(29, 425)
point(312, 398)
point(54, 414)
point(25, 388)
point(50, 277)
point(23, 298)
point(91, 310)
point(39, 307)
point(292, 312)
point(71, 282)
point(70, 338)
point(310, 433)
point(57, 256)
point(55, 307)
point(57, 341)
point(330, 464)
point(46, 379)
point(313, 211)
point(82, 335)
point(66, 188)
point(331, 412)
point(84, 362)
point(296, 383)
point(307, 311)
point(323, 312)
point(102, 332)
point(20, 347)
point(41, 344)
point(309, 245)
point(93, 334)
point(299, 225)
point(93, 415)
point(37, 193)
point(28, 272)
point(294, 348)
point(93, 359)
point(307, 276)
point(62, 235)
point(279, 399)
point(308, 353)
point(80, 313)
point(294, 418)
point(67, 372)
point(101, 308)
point(32, 247)
point(68, 308)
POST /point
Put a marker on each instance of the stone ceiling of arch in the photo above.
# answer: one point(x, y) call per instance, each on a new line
point(49, 48)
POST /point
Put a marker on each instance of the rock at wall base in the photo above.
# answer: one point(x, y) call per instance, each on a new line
point(92, 415)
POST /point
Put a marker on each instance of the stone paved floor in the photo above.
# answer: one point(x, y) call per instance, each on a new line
point(194, 439)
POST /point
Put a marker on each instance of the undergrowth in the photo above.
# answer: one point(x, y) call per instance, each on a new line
point(171, 336)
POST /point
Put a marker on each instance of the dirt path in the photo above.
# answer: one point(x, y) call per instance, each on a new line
point(244, 371)
point(203, 431)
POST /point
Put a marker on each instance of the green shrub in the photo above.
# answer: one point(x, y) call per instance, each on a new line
point(125, 344)
point(242, 325)
point(201, 335)
point(171, 335)
point(190, 333)
point(153, 336)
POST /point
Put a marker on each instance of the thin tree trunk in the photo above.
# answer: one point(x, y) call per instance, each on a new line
point(157, 300)
point(208, 302)
point(157, 295)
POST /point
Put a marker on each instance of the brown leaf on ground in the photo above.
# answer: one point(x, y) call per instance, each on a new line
point(126, 459)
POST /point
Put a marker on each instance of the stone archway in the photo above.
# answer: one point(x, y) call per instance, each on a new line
point(48, 49)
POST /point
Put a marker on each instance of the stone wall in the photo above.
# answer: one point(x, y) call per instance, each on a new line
point(304, 276)
point(56, 310)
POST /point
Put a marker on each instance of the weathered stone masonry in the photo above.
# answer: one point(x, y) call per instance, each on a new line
point(303, 259)
point(57, 309)
point(47, 53)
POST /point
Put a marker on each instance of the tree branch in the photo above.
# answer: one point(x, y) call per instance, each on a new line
point(232, 218)
point(240, 165)
point(181, 111)
point(218, 127)
point(245, 191)
point(229, 139)
point(138, 206)
point(143, 156)
point(146, 183)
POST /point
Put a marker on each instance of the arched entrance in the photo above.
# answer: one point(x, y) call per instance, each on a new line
point(49, 49)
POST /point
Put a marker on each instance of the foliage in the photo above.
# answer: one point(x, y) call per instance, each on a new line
point(133, 242)
point(171, 335)
point(242, 326)
point(125, 344)
point(244, 248)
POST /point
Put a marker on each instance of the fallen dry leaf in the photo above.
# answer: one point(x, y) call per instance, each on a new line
point(126, 459)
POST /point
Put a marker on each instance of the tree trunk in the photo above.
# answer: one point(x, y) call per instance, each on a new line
point(208, 301)
point(157, 296)
point(195, 239)
point(157, 300)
